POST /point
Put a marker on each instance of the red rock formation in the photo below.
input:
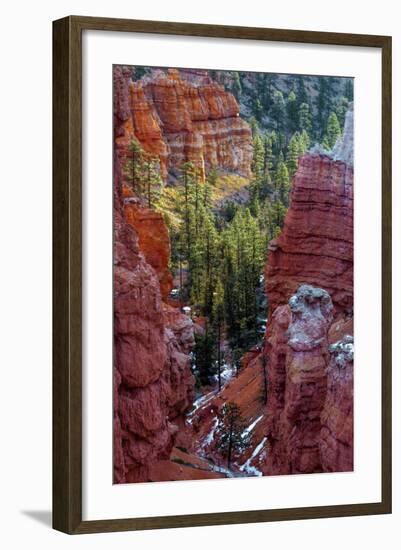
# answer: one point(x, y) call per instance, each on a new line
point(153, 381)
point(153, 384)
point(310, 404)
point(316, 243)
point(295, 445)
point(141, 432)
point(275, 357)
point(181, 119)
point(134, 117)
point(154, 240)
point(336, 436)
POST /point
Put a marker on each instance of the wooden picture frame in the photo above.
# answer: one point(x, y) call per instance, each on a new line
point(67, 274)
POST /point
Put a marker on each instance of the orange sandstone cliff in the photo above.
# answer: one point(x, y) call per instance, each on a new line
point(181, 116)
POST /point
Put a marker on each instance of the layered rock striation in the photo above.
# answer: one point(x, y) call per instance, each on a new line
point(316, 244)
point(181, 116)
point(309, 345)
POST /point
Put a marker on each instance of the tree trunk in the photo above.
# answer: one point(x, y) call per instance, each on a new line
point(219, 352)
point(230, 444)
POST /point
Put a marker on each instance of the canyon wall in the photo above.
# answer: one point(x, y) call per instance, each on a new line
point(181, 116)
point(153, 384)
point(316, 244)
point(309, 345)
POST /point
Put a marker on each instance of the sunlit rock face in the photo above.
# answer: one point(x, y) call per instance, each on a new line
point(181, 116)
point(316, 243)
point(153, 236)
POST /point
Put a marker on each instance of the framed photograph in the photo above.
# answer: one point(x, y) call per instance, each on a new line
point(222, 275)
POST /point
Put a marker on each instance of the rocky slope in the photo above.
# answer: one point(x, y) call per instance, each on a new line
point(246, 391)
point(181, 117)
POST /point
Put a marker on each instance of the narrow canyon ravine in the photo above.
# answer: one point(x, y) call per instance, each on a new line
point(233, 337)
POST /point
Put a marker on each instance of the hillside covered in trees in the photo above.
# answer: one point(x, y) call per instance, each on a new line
point(215, 153)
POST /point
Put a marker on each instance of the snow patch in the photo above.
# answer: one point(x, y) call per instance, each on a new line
point(248, 430)
point(247, 466)
point(198, 403)
point(210, 436)
point(226, 374)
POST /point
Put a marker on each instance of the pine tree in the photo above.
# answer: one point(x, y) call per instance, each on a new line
point(268, 152)
point(152, 179)
point(258, 160)
point(258, 109)
point(134, 166)
point(232, 437)
point(218, 320)
point(293, 153)
point(292, 111)
point(236, 87)
point(207, 195)
point(278, 214)
point(302, 93)
point(341, 110)
point(305, 118)
point(212, 176)
point(349, 89)
point(204, 356)
point(282, 181)
point(186, 177)
point(258, 163)
point(304, 142)
point(321, 106)
point(278, 111)
point(138, 72)
point(333, 131)
point(253, 123)
point(243, 245)
point(275, 144)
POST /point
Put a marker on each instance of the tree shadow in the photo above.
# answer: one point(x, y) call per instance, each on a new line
point(41, 516)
